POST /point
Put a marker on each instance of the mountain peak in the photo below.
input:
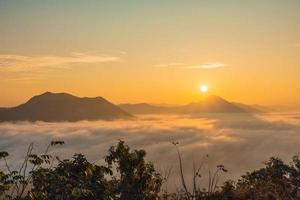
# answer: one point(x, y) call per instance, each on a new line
point(52, 94)
point(213, 104)
point(210, 104)
point(55, 94)
point(213, 98)
point(48, 93)
point(63, 107)
point(50, 97)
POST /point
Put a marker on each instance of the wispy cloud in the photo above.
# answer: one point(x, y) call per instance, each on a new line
point(213, 65)
point(173, 64)
point(297, 45)
point(207, 66)
point(9, 62)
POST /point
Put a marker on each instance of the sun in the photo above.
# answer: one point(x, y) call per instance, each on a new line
point(204, 88)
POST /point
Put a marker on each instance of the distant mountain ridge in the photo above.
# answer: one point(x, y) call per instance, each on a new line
point(211, 104)
point(55, 107)
point(145, 108)
point(254, 108)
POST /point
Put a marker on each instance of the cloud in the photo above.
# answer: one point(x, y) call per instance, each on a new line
point(17, 63)
point(239, 142)
point(185, 66)
point(297, 45)
point(208, 66)
point(168, 65)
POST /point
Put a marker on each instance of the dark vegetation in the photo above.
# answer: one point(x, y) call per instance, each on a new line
point(127, 176)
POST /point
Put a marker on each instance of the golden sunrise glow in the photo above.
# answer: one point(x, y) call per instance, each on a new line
point(172, 58)
point(204, 88)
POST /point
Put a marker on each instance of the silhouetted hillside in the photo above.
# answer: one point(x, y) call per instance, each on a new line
point(253, 108)
point(211, 104)
point(144, 108)
point(52, 107)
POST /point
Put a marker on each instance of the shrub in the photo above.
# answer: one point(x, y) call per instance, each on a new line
point(127, 176)
point(77, 178)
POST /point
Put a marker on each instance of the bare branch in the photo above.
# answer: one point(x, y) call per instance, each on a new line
point(181, 171)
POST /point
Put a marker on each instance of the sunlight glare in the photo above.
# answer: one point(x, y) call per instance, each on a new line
point(203, 88)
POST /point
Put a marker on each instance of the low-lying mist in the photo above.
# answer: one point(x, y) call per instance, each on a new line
point(240, 142)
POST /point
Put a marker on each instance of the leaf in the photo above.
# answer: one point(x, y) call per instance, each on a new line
point(76, 192)
point(57, 142)
point(3, 154)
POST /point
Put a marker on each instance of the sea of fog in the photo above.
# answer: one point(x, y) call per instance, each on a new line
point(240, 142)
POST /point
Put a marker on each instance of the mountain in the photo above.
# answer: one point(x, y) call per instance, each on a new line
point(144, 108)
point(254, 108)
point(211, 104)
point(55, 107)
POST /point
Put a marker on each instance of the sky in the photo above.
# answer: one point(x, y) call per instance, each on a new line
point(151, 51)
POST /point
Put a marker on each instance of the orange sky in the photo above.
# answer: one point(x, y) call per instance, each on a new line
point(158, 52)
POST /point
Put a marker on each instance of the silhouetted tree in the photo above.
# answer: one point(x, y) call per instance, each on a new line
point(71, 179)
point(127, 176)
point(79, 179)
point(138, 179)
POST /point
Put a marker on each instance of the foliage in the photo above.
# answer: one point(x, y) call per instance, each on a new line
point(71, 179)
point(78, 179)
point(127, 176)
point(275, 181)
point(138, 179)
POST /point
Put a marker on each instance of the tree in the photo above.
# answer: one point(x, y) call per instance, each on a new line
point(78, 179)
point(138, 179)
point(276, 180)
point(127, 176)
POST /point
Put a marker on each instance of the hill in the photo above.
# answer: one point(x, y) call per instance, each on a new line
point(211, 104)
point(55, 107)
point(145, 108)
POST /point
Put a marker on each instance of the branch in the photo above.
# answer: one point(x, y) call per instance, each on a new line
point(181, 174)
